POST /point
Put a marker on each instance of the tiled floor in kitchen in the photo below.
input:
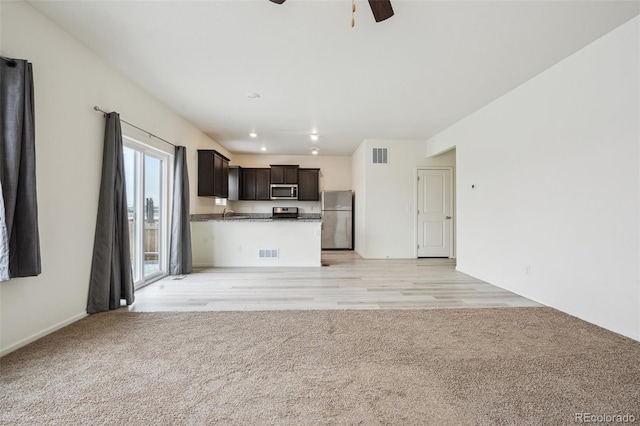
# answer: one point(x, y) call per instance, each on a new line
point(346, 282)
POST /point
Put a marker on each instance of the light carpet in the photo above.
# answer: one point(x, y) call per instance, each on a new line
point(460, 366)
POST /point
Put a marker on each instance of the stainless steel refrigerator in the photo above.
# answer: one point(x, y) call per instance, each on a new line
point(337, 222)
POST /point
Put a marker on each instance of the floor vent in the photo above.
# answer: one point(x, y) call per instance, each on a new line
point(380, 156)
point(269, 253)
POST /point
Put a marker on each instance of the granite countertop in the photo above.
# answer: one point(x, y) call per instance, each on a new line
point(252, 217)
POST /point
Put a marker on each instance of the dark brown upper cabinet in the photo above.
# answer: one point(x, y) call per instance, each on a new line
point(308, 184)
point(213, 174)
point(255, 184)
point(235, 183)
point(284, 174)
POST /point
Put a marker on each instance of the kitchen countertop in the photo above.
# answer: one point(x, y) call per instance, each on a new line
point(252, 217)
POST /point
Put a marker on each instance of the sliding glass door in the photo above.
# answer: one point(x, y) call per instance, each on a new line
point(146, 173)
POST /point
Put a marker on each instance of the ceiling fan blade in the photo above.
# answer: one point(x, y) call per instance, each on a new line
point(277, 1)
point(381, 9)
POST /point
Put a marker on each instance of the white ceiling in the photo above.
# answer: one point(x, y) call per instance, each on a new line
point(409, 77)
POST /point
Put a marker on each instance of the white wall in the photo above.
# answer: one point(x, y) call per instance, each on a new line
point(69, 81)
point(389, 229)
point(556, 164)
point(335, 174)
point(237, 243)
point(359, 178)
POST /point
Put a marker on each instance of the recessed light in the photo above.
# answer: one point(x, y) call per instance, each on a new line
point(253, 95)
point(264, 148)
point(314, 151)
point(314, 136)
point(253, 134)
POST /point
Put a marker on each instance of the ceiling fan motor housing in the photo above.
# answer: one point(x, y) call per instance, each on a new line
point(381, 8)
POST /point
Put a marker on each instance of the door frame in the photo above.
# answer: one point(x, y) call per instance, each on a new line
point(452, 206)
point(166, 186)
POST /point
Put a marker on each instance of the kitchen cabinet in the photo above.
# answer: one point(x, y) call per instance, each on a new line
point(213, 174)
point(235, 183)
point(263, 188)
point(255, 184)
point(284, 174)
point(308, 184)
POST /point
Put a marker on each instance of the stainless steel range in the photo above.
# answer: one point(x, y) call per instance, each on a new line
point(284, 213)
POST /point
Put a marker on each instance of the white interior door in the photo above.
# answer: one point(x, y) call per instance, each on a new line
point(434, 212)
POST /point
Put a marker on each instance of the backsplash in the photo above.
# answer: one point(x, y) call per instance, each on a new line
point(306, 207)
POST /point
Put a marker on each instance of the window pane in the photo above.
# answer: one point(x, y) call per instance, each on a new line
point(152, 215)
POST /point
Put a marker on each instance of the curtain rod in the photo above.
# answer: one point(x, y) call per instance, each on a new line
point(133, 125)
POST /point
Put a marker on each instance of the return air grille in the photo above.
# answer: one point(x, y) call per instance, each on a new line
point(268, 253)
point(380, 156)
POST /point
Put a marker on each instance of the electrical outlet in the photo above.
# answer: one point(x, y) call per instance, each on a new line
point(527, 270)
point(239, 249)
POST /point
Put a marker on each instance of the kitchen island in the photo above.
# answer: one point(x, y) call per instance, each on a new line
point(255, 240)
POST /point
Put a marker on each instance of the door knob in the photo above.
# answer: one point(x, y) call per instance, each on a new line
point(448, 217)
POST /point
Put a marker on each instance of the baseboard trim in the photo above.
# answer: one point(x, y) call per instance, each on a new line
point(48, 330)
point(203, 265)
point(555, 305)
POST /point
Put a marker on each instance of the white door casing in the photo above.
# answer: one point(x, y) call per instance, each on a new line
point(435, 212)
point(147, 175)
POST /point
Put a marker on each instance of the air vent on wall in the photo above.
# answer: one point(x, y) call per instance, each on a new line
point(380, 156)
point(268, 253)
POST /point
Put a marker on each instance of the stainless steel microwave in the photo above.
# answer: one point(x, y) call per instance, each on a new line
point(284, 191)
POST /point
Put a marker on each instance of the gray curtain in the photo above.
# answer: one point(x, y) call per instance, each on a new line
point(180, 251)
point(111, 276)
point(18, 167)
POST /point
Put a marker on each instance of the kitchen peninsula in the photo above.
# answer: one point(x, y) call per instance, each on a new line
point(255, 240)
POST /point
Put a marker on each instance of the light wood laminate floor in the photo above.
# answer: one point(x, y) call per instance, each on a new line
point(346, 282)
